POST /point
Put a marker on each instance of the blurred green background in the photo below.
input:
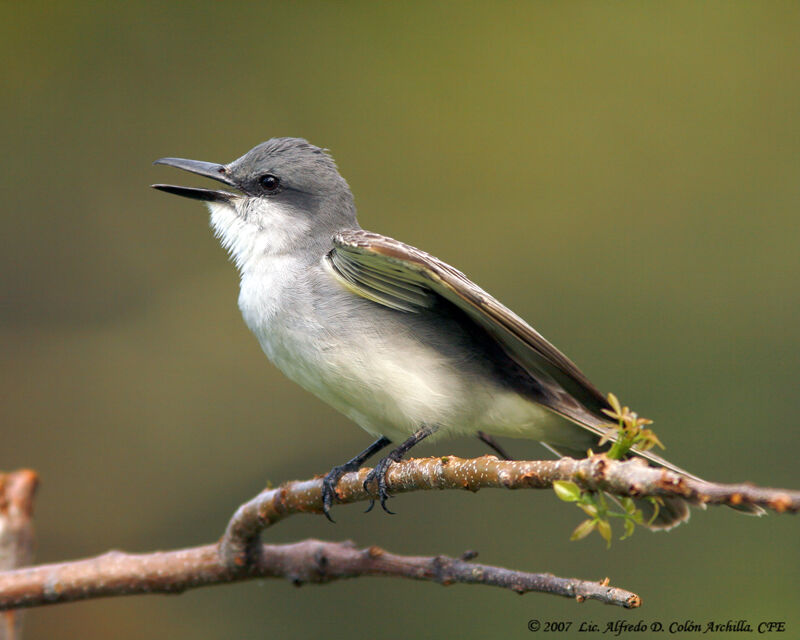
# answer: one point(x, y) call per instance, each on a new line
point(626, 176)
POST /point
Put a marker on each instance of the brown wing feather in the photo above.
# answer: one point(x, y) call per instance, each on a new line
point(519, 339)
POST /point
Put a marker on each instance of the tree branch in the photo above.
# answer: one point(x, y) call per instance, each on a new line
point(598, 473)
point(240, 555)
point(307, 562)
point(16, 534)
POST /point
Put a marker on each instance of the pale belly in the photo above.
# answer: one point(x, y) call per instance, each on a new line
point(393, 392)
point(385, 377)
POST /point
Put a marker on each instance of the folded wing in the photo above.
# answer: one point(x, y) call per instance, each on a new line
point(402, 277)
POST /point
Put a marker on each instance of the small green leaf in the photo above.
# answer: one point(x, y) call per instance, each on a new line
point(604, 529)
point(567, 491)
point(614, 402)
point(589, 509)
point(630, 526)
point(583, 529)
point(627, 504)
point(610, 434)
point(657, 507)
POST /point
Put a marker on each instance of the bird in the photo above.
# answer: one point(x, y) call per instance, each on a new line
point(400, 342)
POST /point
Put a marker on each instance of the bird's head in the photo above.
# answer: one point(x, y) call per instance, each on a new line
point(289, 196)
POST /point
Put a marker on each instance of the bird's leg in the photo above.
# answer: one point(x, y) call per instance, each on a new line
point(378, 474)
point(331, 479)
point(493, 444)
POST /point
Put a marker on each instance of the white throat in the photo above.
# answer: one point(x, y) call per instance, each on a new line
point(252, 229)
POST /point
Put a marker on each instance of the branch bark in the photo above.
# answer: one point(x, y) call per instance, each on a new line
point(598, 473)
point(307, 562)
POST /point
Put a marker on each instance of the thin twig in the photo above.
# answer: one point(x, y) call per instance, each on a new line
point(307, 562)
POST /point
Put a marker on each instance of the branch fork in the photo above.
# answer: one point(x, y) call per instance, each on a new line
point(240, 555)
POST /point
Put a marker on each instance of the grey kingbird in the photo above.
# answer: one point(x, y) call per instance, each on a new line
point(400, 342)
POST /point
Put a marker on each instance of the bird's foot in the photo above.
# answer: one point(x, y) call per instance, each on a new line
point(378, 475)
point(329, 483)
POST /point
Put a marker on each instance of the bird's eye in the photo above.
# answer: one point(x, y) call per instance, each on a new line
point(269, 182)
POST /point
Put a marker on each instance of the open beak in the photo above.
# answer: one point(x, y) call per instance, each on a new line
point(208, 169)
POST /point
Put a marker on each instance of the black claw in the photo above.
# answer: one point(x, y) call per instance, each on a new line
point(326, 499)
point(326, 507)
point(378, 475)
point(387, 509)
point(329, 483)
point(383, 490)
